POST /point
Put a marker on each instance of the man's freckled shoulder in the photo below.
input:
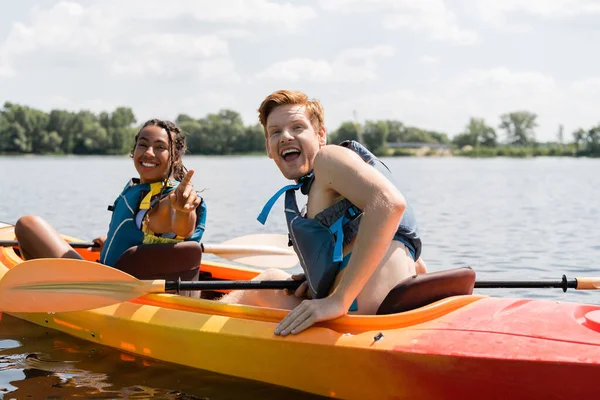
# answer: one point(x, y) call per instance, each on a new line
point(332, 154)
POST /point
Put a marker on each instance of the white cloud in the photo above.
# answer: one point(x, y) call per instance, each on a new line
point(381, 50)
point(490, 93)
point(254, 12)
point(431, 18)
point(195, 104)
point(130, 37)
point(352, 65)
point(519, 16)
point(90, 102)
point(585, 97)
point(544, 8)
point(590, 86)
point(192, 103)
point(206, 57)
point(222, 69)
point(6, 70)
point(237, 33)
point(429, 60)
point(179, 45)
point(64, 27)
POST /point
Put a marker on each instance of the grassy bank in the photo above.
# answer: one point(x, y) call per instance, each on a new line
point(488, 152)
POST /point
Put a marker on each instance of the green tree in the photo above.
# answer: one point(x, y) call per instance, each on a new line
point(35, 123)
point(119, 129)
point(484, 134)
point(232, 131)
point(592, 145)
point(62, 122)
point(91, 137)
point(346, 131)
point(182, 118)
point(192, 129)
point(438, 137)
point(13, 138)
point(396, 131)
point(464, 139)
point(3, 133)
point(375, 136)
point(519, 127)
point(417, 135)
point(578, 137)
point(253, 140)
point(476, 133)
point(26, 130)
point(221, 133)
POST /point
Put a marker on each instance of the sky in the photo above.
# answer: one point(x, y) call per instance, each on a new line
point(432, 64)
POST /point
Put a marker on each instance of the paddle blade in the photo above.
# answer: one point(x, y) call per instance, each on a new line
point(61, 285)
point(261, 250)
point(588, 283)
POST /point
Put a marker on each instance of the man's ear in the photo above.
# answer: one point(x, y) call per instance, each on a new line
point(322, 136)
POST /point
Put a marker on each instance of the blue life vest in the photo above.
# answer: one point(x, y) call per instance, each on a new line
point(124, 231)
point(319, 242)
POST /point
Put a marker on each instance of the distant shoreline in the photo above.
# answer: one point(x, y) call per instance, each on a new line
point(25, 131)
point(453, 154)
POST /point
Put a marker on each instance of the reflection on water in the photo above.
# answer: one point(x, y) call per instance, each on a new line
point(508, 219)
point(43, 364)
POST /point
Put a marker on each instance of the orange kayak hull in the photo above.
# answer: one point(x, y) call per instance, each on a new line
point(464, 347)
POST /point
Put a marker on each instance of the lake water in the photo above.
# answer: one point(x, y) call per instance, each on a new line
point(506, 218)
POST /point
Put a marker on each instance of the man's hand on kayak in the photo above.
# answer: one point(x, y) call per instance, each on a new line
point(310, 312)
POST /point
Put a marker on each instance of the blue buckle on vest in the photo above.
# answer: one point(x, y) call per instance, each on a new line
point(262, 217)
point(337, 228)
point(353, 211)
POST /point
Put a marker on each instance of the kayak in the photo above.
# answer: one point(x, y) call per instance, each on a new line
point(469, 346)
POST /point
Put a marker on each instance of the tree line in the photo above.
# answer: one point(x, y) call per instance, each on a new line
point(26, 130)
point(514, 136)
point(519, 132)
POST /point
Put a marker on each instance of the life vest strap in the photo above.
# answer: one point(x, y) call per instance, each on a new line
point(262, 217)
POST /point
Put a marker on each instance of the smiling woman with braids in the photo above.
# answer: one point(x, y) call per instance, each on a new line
point(160, 206)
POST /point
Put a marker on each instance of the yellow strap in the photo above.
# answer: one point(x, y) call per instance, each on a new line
point(151, 239)
point(155, 189)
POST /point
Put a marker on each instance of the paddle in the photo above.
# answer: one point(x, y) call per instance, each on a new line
point(260, 250)
point(564, 284)
point(75, 245)
point(61, 285)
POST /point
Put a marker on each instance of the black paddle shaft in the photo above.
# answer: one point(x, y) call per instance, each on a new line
point(563, 284)
point(75, 245)
point(230, 285)
point(177, 286)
